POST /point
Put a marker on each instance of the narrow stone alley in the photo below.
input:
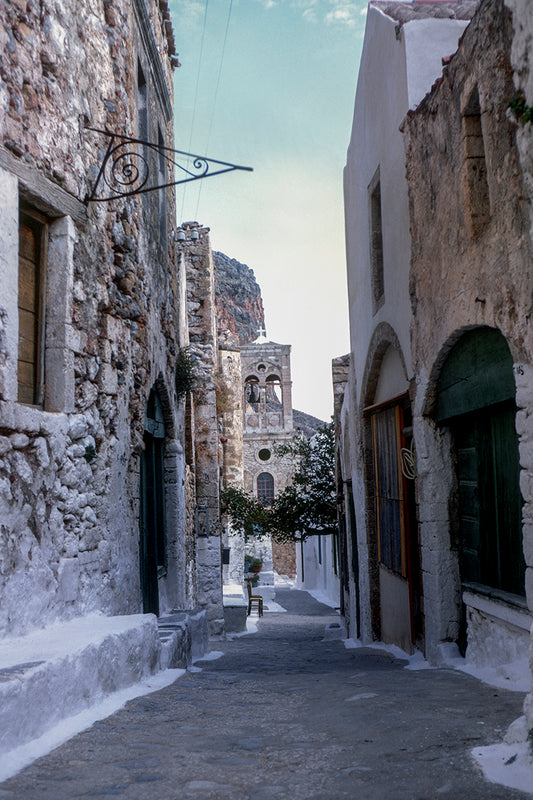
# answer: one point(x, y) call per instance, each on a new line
point(287, 713)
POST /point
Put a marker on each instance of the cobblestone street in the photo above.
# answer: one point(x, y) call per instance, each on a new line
point(287, 714)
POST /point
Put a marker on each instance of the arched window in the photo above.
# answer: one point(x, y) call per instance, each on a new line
point(265, 488)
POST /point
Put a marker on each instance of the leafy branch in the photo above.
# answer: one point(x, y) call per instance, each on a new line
point(306, 507)
point(185, 376)
point(522, 112)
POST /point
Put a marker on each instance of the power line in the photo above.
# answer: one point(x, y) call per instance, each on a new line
point(195, 98)
point(215, 99)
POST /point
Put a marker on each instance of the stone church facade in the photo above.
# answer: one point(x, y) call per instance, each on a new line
point(268, 423)
point(433, 432)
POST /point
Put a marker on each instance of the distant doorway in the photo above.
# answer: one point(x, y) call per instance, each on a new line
point(152, 505)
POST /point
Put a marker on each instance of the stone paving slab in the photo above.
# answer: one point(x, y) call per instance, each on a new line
point(286, 714)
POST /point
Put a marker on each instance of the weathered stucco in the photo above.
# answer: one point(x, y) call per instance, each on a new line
point(401, 58)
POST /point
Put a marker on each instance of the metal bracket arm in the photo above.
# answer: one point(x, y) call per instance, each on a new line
point(126, 169)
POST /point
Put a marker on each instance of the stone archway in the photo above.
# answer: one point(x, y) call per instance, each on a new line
point(475, 400)
point(469, 498)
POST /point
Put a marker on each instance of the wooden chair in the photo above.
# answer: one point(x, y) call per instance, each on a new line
point(254, 598)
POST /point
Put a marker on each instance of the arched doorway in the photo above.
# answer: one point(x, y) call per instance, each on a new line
point(152, 548)
point(392, 525)
point(476, 401)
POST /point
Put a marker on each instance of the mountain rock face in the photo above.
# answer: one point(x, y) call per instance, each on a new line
point(306, 424)
point(239, 305)
point(239, 311)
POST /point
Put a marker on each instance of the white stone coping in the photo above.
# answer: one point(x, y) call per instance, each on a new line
point(500, 611)
point(65, 668)
point(235, 602)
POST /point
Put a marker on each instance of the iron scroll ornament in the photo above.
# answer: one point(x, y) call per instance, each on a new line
point(126, 170)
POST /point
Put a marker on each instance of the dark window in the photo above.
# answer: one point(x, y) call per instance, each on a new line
point(376, 241)
point(142, 104)
point(390, 510)
point(161, 180)
point(252, 394)
point(475, 182)
point(264, 454)
point(265, 488)
point(31, 289)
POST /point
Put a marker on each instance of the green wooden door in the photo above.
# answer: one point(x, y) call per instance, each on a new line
point(489, 498)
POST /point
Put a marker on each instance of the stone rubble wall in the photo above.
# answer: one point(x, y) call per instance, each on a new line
point(229, 401)
point(69, 474)
point(203, 348)
point(468, 274)
point(521, 60)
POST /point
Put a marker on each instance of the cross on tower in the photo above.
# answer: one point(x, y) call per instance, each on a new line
point(261, 332)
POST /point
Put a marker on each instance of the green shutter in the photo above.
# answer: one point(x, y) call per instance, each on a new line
point(478, 373)
point(489, 499)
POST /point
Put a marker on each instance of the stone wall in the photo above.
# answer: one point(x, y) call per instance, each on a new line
point(471, 267)
point(229, 401)
point(401, 58)
point(521, 61)
point(203, 348)
point(69, 470)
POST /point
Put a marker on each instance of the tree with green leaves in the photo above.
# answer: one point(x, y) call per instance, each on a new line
point(306, 507)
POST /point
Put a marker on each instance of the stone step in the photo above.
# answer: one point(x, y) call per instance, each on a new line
point(184, 637)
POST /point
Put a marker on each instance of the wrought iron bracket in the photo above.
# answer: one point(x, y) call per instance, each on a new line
point(126, 169)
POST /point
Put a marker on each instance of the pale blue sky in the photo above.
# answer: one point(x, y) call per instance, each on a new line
point(284, 107)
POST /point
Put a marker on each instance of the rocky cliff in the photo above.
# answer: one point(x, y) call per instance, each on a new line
point(239, 305)
point(239, 311)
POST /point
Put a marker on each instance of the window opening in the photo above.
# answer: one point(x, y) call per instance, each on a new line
point(475, 182)
point(376, 241)
point(162, 199)
point(142, 104)
point(265, 488)
point(252, 394)
point(273, 391)
point(264, 454)
point(31, 311)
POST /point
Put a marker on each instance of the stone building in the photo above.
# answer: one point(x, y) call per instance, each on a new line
point(267, 422)
point(471, 293)
point(402, 56)
point(95, 509)
point(202, 445)
point(434, 434)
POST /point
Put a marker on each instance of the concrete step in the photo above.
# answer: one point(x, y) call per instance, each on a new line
point(184, 637)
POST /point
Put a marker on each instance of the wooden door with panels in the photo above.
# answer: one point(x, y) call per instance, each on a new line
point(400, 589)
